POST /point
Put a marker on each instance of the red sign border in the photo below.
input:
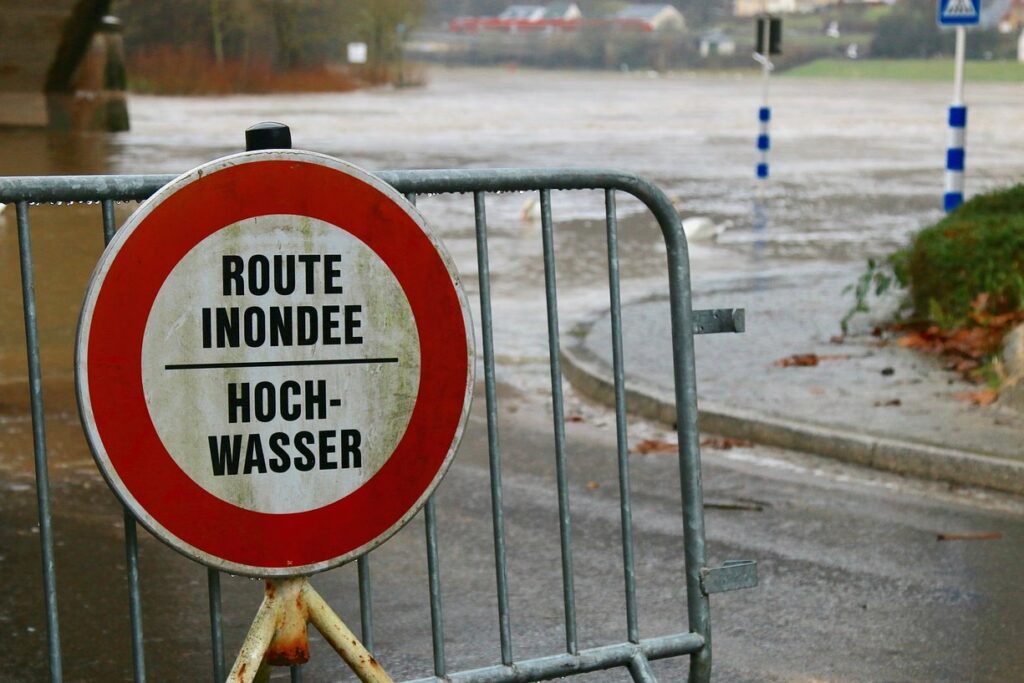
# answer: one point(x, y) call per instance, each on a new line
point(109, 354)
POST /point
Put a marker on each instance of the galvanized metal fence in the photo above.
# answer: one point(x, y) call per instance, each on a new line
point(634, 653)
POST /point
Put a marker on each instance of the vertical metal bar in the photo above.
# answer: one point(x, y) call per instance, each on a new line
point(434, 574)
point(685, 379)
point(433, 571)
point(493, 446)
point(131, 551)
point(28, 292)
point(108, 220)
point(296, 673)
point(216, 627)
point(564, 515)
point(365, 601)
point(131, 539)
point(625, 493)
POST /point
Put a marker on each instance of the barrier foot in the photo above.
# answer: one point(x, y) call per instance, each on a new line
point(278, 635)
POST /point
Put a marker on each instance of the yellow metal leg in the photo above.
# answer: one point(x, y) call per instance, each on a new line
point(278, 634)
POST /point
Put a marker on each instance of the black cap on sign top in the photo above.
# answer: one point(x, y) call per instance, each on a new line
point(268, 135)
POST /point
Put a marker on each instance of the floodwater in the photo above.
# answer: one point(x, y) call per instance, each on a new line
point(856, 167)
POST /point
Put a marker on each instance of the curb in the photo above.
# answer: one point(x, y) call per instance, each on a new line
point(591, 376)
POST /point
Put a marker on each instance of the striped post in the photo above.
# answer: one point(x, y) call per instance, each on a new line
point(954, 196)
point(764, 115)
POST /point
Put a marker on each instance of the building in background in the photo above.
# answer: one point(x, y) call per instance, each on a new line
point(750, 8)
point(556, 16)
point(560, 17)
point(651, 17)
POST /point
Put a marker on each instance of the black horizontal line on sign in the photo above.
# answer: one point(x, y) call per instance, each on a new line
point(279, 363)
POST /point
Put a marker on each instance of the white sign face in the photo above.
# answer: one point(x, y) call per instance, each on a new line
point(357, 53)
point(288, 431)
point(275, 363)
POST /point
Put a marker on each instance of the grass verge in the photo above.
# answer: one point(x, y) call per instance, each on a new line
point(908, 69)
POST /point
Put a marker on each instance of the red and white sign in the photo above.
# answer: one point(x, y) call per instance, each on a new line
point(275, 363)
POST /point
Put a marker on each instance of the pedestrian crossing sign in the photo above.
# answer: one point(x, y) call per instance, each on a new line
point(959, 12)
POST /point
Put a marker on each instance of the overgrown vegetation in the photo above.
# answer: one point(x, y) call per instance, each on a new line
point(964, 282)
point(217, 46)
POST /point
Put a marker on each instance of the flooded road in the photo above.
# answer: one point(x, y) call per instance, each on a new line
point(857, 166)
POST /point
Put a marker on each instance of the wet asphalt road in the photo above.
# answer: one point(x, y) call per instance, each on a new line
point(854, 586)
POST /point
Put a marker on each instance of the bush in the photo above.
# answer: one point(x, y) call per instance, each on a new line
point(975, 254)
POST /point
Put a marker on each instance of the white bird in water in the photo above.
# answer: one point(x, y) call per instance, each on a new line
point(702, 229)
point(699, 228)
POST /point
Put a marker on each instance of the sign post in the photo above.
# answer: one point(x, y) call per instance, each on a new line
point(274, 368)
point(768, 42)
point(959, 14)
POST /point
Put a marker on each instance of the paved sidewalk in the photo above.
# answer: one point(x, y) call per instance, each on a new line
point(865, 402)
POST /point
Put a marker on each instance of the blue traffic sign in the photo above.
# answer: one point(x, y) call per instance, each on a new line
point(959, 12)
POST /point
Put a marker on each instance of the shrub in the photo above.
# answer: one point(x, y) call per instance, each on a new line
point(976, 251)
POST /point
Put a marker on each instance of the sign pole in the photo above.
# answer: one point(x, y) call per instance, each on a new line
point(958, 14)
point(958, 73)
point(955, 154)
point(764, 114)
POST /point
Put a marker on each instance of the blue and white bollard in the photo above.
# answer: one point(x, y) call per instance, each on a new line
point(764, 143)
point(954, 195)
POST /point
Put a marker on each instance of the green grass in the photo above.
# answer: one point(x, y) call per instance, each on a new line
point(908, 69)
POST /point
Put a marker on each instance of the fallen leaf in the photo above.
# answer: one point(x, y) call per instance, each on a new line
point(574, 418)
point(724, 443)
point(890, 402)
point(918, 340)
point(593, 485)
point(979, 398)
point(655, 446)
point(798, 360)
point(806, 360)
point(970, 536)
point(966, 365)
point(837, 339)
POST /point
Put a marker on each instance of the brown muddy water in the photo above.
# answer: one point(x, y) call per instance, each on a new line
point(856, 167)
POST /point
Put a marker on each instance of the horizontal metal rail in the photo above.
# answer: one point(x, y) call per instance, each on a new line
point(595, 659)
point(122, 188)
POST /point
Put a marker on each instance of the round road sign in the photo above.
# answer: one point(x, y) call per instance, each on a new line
point(275, 363)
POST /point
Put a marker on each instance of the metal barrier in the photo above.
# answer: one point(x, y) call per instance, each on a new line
point(635, 653)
